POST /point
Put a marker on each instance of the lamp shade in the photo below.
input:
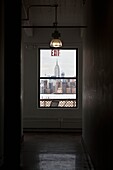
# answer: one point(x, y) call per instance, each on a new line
point(56, 43)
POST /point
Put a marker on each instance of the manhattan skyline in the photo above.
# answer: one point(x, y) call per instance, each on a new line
point(66, 61)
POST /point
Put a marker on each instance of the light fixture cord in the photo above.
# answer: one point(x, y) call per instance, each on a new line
point(55, 24)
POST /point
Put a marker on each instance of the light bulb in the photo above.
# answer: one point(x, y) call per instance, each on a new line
point(56, 43)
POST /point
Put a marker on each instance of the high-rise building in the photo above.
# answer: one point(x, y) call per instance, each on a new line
point(62, 74)
point(57, 70)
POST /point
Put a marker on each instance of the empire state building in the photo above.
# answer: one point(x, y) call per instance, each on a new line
point(57, 70)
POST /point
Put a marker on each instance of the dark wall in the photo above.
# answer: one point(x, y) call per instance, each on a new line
point(98, 83)
point(1, 79)
point(12, 115)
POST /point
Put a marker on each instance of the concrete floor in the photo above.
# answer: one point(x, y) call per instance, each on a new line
point(53, 151)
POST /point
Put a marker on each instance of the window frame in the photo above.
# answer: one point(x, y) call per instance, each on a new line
point(55, 101)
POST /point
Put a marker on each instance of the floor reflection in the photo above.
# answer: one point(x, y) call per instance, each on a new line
point(57, 161)
point(53, 151)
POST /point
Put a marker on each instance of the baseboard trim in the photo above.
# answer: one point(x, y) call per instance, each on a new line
point(77, 130)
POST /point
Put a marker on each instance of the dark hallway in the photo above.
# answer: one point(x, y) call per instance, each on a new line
point(85, 25)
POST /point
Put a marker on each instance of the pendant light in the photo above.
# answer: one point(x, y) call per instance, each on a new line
point(55, 42)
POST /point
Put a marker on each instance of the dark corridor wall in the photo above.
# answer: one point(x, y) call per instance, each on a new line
point(12, 107)
point(98, 83)
point(1, 80)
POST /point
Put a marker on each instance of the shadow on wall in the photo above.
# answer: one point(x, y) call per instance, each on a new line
point(98, 84)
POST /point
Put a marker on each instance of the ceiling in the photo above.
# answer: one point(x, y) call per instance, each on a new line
point(69, 12)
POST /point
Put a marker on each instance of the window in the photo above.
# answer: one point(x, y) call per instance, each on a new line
point(58, 78)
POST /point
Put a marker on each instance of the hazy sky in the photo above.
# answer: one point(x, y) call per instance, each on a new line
point(66, 61)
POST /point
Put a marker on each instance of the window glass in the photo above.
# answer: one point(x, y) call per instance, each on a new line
point(58, 78)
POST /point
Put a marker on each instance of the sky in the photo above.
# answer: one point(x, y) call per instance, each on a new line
point(66, 61)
